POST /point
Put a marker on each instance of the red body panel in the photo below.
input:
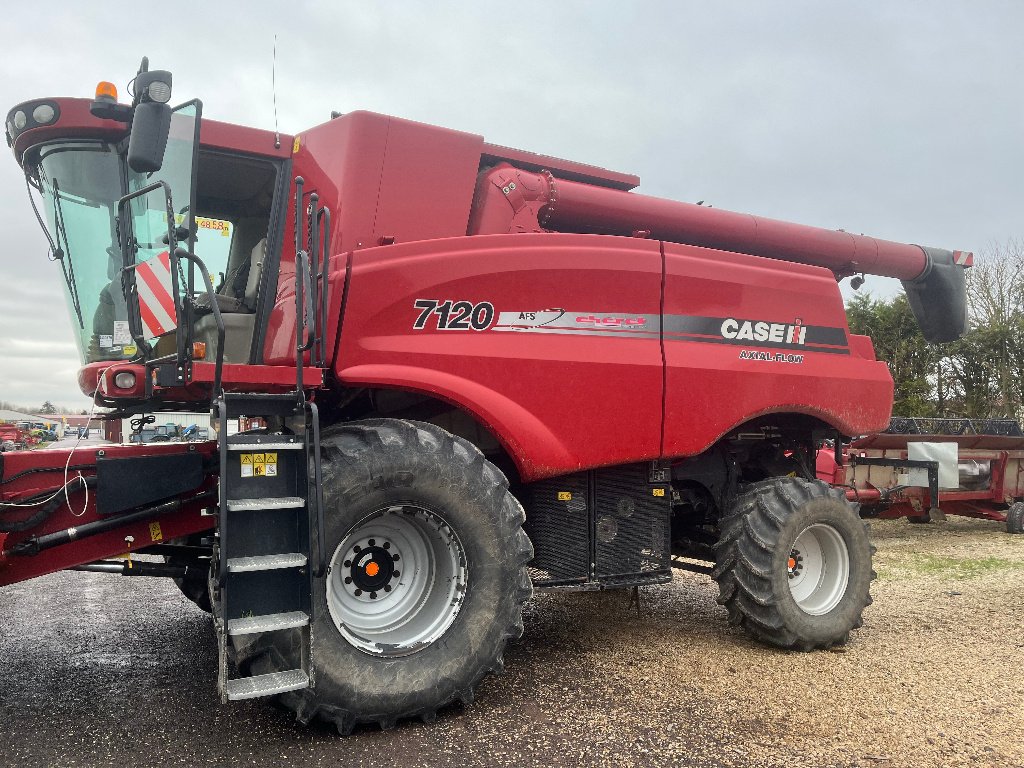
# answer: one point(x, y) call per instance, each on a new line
point(584, 392)
point(558, 401)
point(383, 178)
point(710, 387)
point(235, 377)
point(173, 525)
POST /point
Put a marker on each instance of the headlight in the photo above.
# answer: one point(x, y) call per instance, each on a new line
point(124, 380)
point(43, 114)
point(20, 120)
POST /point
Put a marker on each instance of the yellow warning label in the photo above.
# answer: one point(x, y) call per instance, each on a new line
point(658, 491)
point(295, 145)
point(259, 464)
point(155, 534)
point(564, 496)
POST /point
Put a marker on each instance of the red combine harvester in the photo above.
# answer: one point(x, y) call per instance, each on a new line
point(481, 371)
point(923, 469)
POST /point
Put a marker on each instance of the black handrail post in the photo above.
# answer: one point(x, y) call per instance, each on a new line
point(219, 367)
point(298, 287)
point(323, 295)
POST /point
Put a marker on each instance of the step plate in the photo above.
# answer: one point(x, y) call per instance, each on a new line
point(266, 685)
point(272, 622)
point(266, 562)
point(234, 444)
point(269, 502)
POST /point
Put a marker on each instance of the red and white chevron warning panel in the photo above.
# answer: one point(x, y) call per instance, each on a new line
point(156, 296)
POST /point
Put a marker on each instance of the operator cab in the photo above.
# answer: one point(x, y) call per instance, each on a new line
point(128, 210)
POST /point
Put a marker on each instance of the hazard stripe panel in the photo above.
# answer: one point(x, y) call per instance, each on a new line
point(156, 296)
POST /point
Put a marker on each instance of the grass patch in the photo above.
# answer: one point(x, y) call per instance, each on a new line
point(950, 567)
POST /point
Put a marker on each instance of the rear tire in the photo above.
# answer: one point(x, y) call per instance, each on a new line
point(793, 564)
point(1015, 518)
point(415, 487)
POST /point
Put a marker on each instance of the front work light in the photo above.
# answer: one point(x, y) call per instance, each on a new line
point(124, 380)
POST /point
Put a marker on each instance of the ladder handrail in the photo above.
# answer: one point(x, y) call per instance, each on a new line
point(320, 564)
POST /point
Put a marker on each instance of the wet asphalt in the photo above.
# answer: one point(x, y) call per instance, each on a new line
point(104, 670)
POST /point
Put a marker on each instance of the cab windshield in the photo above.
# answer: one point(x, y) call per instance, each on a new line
point(81, 183)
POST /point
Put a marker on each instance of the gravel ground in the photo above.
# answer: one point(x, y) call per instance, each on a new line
point(100, 670)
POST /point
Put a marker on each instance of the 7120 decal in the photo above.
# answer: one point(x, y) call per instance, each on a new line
point(453, 315)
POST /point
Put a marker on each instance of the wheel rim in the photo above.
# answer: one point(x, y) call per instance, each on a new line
point(397, 581)
point(818, 569)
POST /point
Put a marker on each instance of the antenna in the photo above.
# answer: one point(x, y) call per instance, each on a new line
point(273, 88)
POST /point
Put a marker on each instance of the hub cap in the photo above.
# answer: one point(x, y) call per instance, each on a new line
point(397, 581)
point(818, 569)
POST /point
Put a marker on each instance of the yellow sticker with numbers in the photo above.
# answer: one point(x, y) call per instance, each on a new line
point(658, 491)
point(155, 534)
point(564, 496)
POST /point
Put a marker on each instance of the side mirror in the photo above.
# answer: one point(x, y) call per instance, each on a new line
point(150, 127)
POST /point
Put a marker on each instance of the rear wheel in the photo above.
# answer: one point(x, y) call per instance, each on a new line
point(793, 564)
point(1015, 518)
point(426, 583)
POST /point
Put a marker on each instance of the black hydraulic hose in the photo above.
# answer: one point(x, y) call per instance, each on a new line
point(142, 568)
point(46, 510)
point(37, 544)
point(35, 470)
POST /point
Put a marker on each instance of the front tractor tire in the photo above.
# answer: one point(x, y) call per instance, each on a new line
point(426, 581)
point(793, 564)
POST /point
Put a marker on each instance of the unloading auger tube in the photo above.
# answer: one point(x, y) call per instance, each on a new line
point(509, 198)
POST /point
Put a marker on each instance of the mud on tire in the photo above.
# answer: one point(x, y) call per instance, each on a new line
point(384, 464)
point(793, 564)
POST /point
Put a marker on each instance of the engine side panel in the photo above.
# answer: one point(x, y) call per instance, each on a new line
point(747, 336)
point(551, 341)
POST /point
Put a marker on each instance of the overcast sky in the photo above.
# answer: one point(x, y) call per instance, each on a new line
point(903, 120)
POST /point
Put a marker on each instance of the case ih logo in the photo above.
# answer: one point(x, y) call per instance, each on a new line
point(758, 330)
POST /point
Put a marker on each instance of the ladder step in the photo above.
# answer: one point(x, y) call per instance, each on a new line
point(269, 502)
point(258, 404)
point(271, 622)
point(266, 562)
point(266, 685)
point(264, 443)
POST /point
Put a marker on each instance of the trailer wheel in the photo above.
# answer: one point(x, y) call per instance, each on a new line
point(793, 564)
point(426, 582)
point(1015, 518)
